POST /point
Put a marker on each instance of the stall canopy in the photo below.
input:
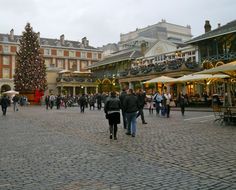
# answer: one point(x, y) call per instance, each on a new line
point(228, 69)
point(161, 79)
point(199, 77)
point(11, 92)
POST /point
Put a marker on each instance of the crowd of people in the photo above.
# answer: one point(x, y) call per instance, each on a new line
point(129, 103)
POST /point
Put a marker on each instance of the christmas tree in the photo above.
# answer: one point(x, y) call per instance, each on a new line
point(30, 73)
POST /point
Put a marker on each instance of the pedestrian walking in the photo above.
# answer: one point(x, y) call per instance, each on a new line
point(99, 101)
point(112, 109)
point(82, 103)
point(5, 102)
point(15, 100)
point(150, 103)
point(158, 99)
point(47, 101)
point(131, 107)
point(167, 97)
point(141, 95)
point(182, 100)
point(58, 101)
point(122, 98)
point(51, 100)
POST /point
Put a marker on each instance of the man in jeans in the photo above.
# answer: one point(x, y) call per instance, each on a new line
point(131, 108)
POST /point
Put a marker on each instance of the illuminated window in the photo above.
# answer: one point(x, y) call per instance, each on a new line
point(6, 73)
point(6, 60)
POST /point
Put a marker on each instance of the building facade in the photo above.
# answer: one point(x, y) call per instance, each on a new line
point(59, 54)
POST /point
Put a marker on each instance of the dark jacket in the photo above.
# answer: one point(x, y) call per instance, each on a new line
point(131, 103)
point(141, 99)
point(122, 99)
point(82, 101)
point(112, 104)
point(5, 102)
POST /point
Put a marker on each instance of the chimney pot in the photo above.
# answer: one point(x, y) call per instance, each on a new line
point(12, 34)
point(207, 26)
point(62, 39)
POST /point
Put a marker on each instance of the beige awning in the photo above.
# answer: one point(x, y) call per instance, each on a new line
point(199, 77)
point(161, 79)
point(228, 69)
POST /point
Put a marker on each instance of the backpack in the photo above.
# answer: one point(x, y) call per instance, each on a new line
point(158, 98)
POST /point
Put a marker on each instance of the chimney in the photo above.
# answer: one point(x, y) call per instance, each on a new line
point(85, 42)
point(219, 25)
point(12, 34)
point(207, 26)
point(62, 39)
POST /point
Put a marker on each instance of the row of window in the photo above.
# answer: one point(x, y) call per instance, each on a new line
point(72, 64)
point(60, 53)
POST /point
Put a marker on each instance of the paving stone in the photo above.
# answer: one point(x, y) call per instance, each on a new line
point(66, 150)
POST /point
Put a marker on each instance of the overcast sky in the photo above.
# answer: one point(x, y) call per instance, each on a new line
point(102, 21)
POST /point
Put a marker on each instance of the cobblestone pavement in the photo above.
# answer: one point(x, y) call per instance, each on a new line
point(66, 150)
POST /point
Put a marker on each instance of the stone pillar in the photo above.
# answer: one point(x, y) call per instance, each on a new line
point(85, 89)
point(96, 89)
point(78, 65)
point(73, 90)
point(66, 64)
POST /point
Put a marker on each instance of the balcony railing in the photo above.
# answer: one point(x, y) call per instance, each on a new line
point(219, 57)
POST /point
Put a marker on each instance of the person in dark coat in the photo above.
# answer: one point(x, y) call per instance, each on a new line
point(99, 101)
point(141, 99)
point(182, 102)
point(131, 107)
point(112, 109)
point(47, 101)
point(122, 98)
point(82, 102)
point(58, 101)
point(5, 102)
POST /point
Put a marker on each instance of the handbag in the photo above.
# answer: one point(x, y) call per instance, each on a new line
point(172, 104)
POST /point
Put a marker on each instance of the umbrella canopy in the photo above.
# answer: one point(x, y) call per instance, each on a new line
point(64, 71)
point(11, 92)
point(198, 77)
point(161, 79)
point(228, 69)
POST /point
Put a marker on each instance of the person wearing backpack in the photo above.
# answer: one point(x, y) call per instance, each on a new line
point(157, 99)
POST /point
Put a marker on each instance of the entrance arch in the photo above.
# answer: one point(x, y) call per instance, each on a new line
point(5, 88)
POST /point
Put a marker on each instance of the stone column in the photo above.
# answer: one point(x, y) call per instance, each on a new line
point(85, 89)
point(73, 90)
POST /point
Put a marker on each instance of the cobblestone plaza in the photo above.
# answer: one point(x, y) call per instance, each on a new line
point(66, 150)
